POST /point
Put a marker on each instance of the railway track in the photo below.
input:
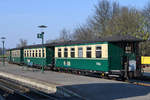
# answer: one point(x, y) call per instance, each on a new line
point(11, 90)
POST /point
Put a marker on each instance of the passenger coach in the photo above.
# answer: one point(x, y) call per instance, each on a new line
point(117, 55)
point(39, 55)
point(15, 55)
point(8, 54)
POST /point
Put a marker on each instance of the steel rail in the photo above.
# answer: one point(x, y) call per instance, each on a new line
point(26, 92)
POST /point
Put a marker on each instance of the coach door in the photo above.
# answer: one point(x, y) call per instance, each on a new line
point(126, 65)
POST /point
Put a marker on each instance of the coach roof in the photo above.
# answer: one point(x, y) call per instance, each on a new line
point(114, 38)
point(122, 38)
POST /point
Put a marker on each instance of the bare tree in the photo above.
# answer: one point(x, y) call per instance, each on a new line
point(146, 13)
point(97, 25)
point(22, 43)
point(111, 18)
point(83, 33)
point(65, 35)
point(101, 17)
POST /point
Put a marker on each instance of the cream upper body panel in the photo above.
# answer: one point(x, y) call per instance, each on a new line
point(16, 53)
point(34, 51)
point(104, 50)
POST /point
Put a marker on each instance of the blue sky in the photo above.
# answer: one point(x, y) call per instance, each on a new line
point(20, 18)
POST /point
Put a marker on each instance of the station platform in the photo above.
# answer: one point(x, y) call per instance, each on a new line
point(87, 88)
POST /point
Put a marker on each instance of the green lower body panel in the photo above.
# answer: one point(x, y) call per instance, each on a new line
point(16, 60)
point(115, 62)
point(36, 61)
point(83, 64)
point(9, 59)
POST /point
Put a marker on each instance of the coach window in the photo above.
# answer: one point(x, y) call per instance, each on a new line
point(36, 53)
point(128, 48)
point(59, 52)
point(33, 53)
point(98, 52)
point(80, 52)
point(24, 53)
point(27, 53)
point(65, 52)
point(88, 52)
point(18, 54)
point(30, 53)
point(72, 52)
point(43, 53)
point(39, 53)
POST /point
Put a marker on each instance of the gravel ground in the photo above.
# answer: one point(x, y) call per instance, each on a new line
point(88, 87)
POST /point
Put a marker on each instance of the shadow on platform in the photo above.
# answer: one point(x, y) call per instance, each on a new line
point(109, 91)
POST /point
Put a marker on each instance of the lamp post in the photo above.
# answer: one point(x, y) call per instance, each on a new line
point(41, 35)
point(3, 41)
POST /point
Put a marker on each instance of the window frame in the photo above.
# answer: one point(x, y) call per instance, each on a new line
point(59, 52)
point(72, 51)
point(36, 53)
point(96, 51)
point(43, 53)
point(27, 53)
point(88, 52)
point(33, 55)
point(40, 54)
point(65, 52)
point(79, 56)
point(30, 53)
point(128, 48)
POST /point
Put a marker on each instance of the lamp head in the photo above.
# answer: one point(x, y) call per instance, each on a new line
point(3, 38)
point(42, 26)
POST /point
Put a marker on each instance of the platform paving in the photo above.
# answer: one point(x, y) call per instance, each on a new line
point(87, 87)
